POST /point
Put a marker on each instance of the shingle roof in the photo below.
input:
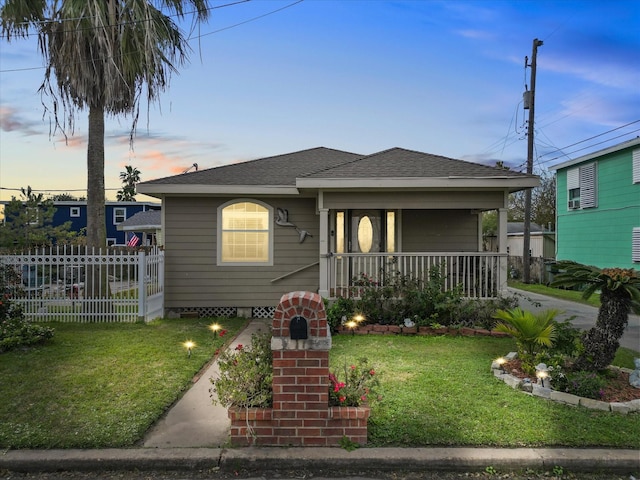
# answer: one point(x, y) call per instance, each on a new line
point(147, 218)
point(277, 170)
point(399, 162)
point(320, 168)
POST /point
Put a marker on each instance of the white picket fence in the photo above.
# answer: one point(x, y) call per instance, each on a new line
point(71, 284)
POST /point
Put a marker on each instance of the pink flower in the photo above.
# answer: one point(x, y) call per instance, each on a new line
point(222, 333)
point(372, 372)
point(239, 347)
point(342, 399)
point(353, 367)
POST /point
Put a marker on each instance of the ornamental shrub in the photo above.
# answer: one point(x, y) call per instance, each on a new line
point(246, 375)
point(15, 330)
point(354, 386)
point(339, 312)
point(581, 383)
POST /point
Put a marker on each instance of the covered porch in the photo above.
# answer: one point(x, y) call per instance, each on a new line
point(477, 275)
point(346, 266)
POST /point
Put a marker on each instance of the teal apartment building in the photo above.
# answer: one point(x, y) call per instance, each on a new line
point(598, 207)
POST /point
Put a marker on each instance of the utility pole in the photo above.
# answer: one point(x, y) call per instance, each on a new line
point(526, 247)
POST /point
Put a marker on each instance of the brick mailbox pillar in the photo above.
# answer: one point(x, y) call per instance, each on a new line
point(301, 414)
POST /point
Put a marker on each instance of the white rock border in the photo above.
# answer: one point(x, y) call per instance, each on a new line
point(561, 397)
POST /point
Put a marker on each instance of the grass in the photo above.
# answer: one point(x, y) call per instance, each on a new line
point(440, 391)
point(104, 385)
point(100, 384)
point(572, 295)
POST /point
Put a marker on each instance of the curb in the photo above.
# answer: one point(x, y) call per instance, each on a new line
point(263, 459)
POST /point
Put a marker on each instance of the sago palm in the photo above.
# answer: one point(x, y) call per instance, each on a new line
point(530, 330)
point(619, 295)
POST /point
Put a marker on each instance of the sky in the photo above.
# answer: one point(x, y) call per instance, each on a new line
point(268, 77)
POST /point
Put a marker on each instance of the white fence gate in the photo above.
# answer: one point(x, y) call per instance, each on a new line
point(72, 284)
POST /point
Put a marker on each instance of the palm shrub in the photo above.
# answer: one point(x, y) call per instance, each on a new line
point(619, 295)
point(530, 331)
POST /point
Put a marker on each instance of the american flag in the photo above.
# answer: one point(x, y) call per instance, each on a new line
point(133, 241)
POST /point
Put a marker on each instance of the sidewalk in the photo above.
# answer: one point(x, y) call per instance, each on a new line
point(194, 434)
point(194, 421)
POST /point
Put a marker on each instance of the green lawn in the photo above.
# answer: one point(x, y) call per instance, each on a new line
point(100, 384)
point(440, 391)
point(104, 385)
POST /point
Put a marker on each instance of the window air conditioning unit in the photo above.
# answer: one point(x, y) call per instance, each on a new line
point(574, 204)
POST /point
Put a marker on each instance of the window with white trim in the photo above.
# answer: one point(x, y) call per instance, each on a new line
point(119, 215)
point(245, 233)
point(582, 191)
point(635, 245)
point(74, 211)
point(636, 166)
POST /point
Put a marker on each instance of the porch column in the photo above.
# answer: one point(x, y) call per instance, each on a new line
point(324, 251)
point(502, 248)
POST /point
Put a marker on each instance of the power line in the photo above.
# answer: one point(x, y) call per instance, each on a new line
point(592, 145)
point(591, 138)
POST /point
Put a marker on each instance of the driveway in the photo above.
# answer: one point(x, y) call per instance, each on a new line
point(584, 316)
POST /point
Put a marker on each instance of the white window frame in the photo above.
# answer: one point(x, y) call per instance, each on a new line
point(584, 179)
point(269, 261)
point(635, 245)
point(636, 165)
point(589, 185)
point(116, 215)
point(74, 212)
point(33, 215)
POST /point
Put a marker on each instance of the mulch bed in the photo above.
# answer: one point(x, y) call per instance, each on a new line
point(618, 388)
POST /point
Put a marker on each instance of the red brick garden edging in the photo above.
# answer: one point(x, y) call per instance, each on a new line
point(376, 329)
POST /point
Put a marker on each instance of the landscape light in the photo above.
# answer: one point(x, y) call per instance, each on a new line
point(189, 345)
point(215, 327)
point(352, 325)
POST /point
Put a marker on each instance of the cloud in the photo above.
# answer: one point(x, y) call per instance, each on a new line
point(158, 155)
point(608, 109)
point(475, 34)
point(73, 141)
point(12, 121)
point(607, 72)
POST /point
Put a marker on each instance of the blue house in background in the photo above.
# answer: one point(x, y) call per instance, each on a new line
point(115, 213)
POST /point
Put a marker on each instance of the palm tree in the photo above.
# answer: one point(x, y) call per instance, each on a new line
point(619, 295)
point(103, 56)
point(530, 331)
point(129, 178)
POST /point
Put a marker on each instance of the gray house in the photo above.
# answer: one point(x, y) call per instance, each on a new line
point(237, 237)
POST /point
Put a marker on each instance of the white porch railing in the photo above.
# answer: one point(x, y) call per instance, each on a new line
point(70, 284)
point(477, 274)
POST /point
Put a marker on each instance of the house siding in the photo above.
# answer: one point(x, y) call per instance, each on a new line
point(193, 278)
point(439, 231)
point(601, 236)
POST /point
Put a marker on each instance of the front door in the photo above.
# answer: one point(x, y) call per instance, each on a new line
point(365, 231)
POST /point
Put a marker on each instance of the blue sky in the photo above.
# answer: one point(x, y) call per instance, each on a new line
point(443, 77)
